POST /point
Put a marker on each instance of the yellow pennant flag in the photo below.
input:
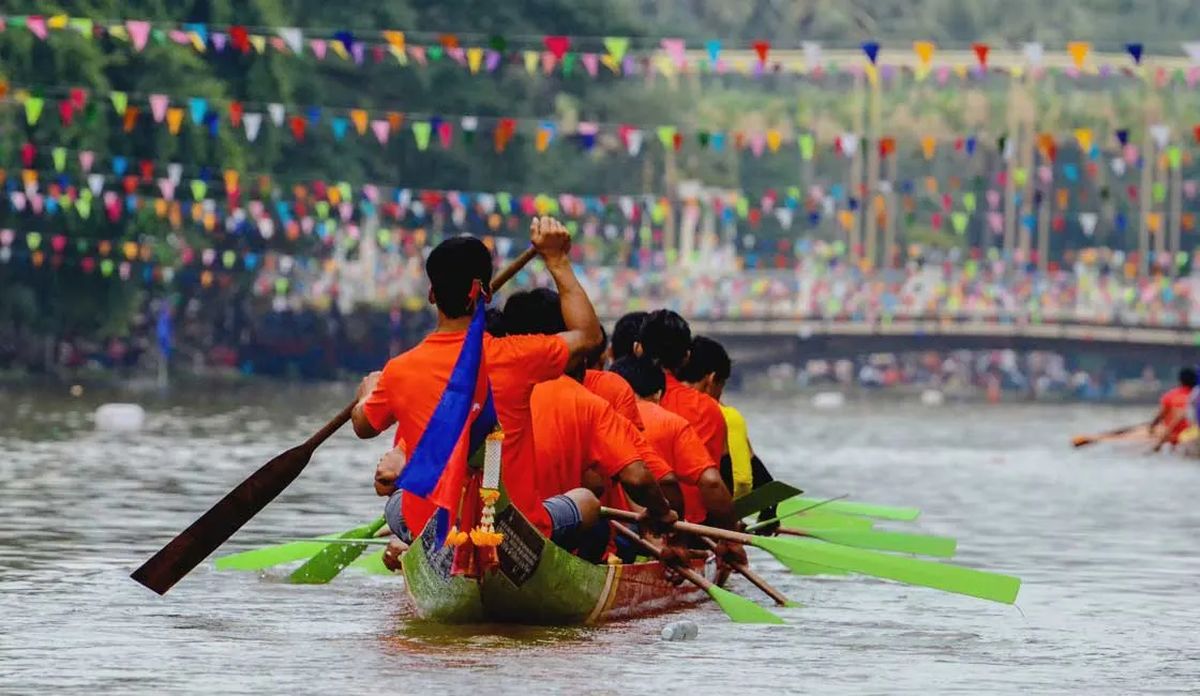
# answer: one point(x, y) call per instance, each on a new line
point(531, 61)
point(961, 71)
point(474, 58)
point(611, 62)
point(160, 207)
point(666, 67)
point(1017, 72)
point(359, 118)
point(1079, 51)
point(231, 180)
point(928, 146)
point(924, 51)
point(57, 21)
point(395, 39)
point(340, 49)
point(931, 184)
point(259, 43)
point(174, 119)
point(1064, 197)
point(118, 31)
point(774, 140)
point(921, 72)
point(872, 74)
point(1083, 136)
point(846, 218)
point(197, 42)
point(1154, 221)
point(543, 139)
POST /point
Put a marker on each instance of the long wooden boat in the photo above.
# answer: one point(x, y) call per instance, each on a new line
point(537, 582)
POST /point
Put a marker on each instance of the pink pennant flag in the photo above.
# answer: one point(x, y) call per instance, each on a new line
point(37, 26)
point(371, 191)
point(18, 200)
point(996, 222)
point(167, 187)
point(158, 106)
point(139, 32)
point(591, 63)
point(179, 36)
point(418, 54)
point(674, 49)
point(757, 142)
point(993, 198)
point(37, 203)
point(1193, 75)
point(381, 128)
point(548, 62)
point(943, 74)
point(319, 48)
point(458, 54)
point(346, 209)
point(86, 158)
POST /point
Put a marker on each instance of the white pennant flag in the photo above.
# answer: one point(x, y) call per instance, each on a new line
point(293, 38)
point(626, 204)
point(277, 113)
point(1088, 222)
point(266, 227)
point(487, 203)
point(812, 54)
point(1192, 49)
point(849, 144)
point(784, 215)
point(1118, 166)
point(96, 183)
point(175, 172)
point(1010, 148)
point(635, 142)
point(1161, 133)
point(252, 121)
point(470, 124)
point(1034, 52)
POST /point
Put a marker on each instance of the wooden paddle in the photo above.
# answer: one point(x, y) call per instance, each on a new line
point(805, 553)
point(737, 608)
point(1085, 440)
point(755, 579)
point(240, 505)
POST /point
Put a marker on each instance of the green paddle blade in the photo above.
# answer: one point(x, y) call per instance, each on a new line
point(900, 542)
point(330, 561)
point(741, 610)
point(818, 519)
point(372, 564)
point(883, 512)
point(763, 497)
point(941, 576)
point(261, 559)
point(802, 568)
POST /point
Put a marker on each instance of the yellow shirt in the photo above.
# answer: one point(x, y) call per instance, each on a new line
point(739, 451)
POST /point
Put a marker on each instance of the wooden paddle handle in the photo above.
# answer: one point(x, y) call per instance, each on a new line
point(654, 550)
point(752, 576)
point(512, 269)
point(685, 527)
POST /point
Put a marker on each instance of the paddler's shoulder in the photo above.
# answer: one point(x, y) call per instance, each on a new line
point(526, 347)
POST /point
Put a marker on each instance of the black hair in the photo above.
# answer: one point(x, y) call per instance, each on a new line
point(1187, 377)
point(453, 266)
point(666, 339)
point(644, 376)
point(534, 311)
point(596, 356)
point(625, 334)
point(708, 358)
point(495, 322)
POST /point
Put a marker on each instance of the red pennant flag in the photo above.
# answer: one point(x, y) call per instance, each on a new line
point(762, 48)
point(677, 141)
point(78, 97)
point(557, 45)
point(887, 146)
point(448, 41)
point(297, 126)
point(240, 38)
point(147, 167)
point(131, 117)
point(981, 52)
point(66, 112)
point(1196, 132)
point(235, 113)
point(503, 133)
point(130, 183)
point(28, 152)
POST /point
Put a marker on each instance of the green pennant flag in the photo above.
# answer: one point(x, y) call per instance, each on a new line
point(1020, 176)
point(969, 201)
point(229, 258)
point(120, 101)
point(504, 202)
point(159, 36)
point(959, 220)
point(83, 204)
point(807, 146)
point(281, 286)
point(64, 201)
point(743, 207)
point(616, 46)
point(1159, 192)
point(34, 240)
point(33, 109)
point(659, 212)
point(322, 209)
point(421, 131)
point(83, 25)
point(666, 136)
point(60, 158)
point(199, 188)
point(573, 228)
point(568, 64)
point(646, 234)
point(346, 191)
point(106, 267)
point(435, 52)
point(1174, 156)
point(702, 138)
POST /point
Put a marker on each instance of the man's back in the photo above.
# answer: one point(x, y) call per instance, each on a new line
point(677, 442)
point(700, 410)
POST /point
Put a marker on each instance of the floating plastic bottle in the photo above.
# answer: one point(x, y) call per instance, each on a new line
point(680, 630)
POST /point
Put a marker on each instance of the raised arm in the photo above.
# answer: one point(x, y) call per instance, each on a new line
point(553, 243)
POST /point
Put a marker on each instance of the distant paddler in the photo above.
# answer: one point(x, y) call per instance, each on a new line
point(1175, 410)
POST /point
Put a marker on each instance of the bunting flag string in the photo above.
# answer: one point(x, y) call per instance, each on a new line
point(619, 55)
point(381, 125)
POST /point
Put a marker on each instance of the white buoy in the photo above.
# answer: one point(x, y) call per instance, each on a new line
point(829, 400)
point(121, 418)
point(933, 397)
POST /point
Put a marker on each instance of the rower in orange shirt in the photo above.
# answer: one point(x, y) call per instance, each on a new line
point(625, 335)
point(411, 385)
point(576, 431)
point(1173, 409)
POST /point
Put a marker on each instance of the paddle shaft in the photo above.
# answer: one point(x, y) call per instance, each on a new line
point(188, 549)
point(1093, 439)
point(654, 550)
point(685, 527)
point(752, 576)
point(801, 511)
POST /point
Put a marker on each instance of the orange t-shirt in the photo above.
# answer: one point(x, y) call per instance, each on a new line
point(615, 390)
point(678, 443)
point(573, 429)
point(1175, 405)
point(701, 411)
point(412, 384)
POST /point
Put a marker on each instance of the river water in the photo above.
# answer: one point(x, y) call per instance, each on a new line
point(1104, 539)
